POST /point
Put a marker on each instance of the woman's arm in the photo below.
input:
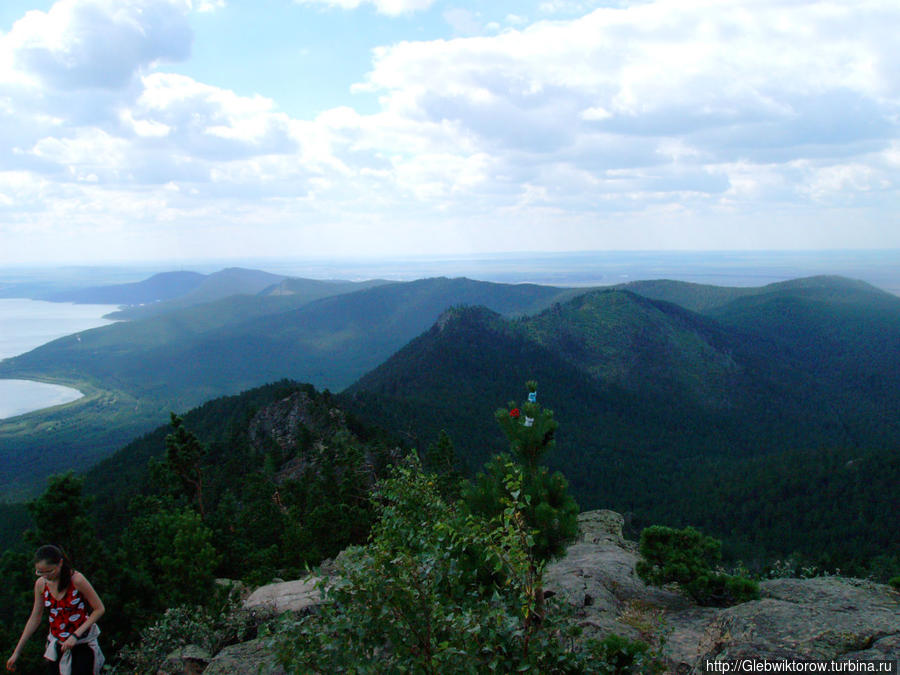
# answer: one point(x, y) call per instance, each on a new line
point(37, 611)
point(90, 595)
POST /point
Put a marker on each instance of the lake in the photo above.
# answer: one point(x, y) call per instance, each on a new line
point(26, 324)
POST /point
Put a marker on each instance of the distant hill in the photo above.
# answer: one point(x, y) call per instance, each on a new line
point(157, 288)
point(639, 344)
point(313, 289)
point(142, 369)
point(695, 297)
point(212, 287)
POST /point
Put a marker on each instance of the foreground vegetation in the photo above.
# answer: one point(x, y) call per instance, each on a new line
point(436, 574)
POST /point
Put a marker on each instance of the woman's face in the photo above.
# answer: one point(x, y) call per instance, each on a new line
point(48, 570)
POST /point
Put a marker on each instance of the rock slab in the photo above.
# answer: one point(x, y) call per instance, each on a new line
point(287, 596)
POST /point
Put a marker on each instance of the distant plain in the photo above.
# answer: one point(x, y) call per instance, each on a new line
point(880, 268)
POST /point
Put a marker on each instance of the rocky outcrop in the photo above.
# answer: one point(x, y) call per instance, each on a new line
point(187, 660)
point(307, 431)
point(287, 596)
point(283, 422)
point(246, 658)
point(821, 618)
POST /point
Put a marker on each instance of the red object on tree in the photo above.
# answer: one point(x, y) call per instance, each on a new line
point(514, 412)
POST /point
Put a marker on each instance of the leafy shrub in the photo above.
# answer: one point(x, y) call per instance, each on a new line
point(208, 628)
point(687, 557)
point(549, 509)
point(437, 591)
point(895, 583)
point(620, 656)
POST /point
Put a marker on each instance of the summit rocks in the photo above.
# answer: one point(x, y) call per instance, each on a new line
point(821, 618)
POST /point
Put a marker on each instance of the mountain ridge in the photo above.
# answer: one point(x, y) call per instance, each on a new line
point(612, 439)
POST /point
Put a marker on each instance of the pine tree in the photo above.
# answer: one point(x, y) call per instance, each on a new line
point(184, 452)
point(61, 518)
point(530, 429)
point(440, 459)
point(550, 510)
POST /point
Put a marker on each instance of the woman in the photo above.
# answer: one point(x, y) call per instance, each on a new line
point(74, 608)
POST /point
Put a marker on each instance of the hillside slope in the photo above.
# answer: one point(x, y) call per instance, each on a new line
point(625, 339)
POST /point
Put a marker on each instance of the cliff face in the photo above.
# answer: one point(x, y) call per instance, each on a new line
point(823, 618)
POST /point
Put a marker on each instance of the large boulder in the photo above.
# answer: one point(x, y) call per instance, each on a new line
point(597, 575)
point(245, 658)
point(187, 660)
point(286, 596)
point(821, 618)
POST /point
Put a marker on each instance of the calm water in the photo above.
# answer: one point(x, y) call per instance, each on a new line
point(26, 324)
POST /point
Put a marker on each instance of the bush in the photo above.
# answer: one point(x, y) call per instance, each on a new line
point(437, 591)
point(895, 583)
point(621, 656)
point(208, 628)
point(686, 557)
point(548, 508)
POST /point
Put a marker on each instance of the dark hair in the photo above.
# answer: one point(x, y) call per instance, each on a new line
point(53, 555)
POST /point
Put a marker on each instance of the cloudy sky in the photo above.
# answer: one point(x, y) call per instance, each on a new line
point(135, 129)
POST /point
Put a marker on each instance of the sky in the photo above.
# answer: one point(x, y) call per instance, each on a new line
point(138, 130)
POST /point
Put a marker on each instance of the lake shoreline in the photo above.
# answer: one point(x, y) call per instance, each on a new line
point(27, 324)
point(19, 397)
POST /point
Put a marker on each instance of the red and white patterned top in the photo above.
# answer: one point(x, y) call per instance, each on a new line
point(67, 613)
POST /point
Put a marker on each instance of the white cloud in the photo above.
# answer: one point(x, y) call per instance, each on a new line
point(389, 7)
point(612, 128)
point(210, 121)
point(87, 44)
point(723, 82)
point(209, 5)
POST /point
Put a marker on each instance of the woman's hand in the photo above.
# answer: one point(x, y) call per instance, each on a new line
point(11, 663)
point(69, 642)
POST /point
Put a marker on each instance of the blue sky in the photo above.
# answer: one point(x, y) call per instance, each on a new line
point(152, 129)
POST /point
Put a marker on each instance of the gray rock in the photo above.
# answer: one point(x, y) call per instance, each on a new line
point(822, 618)
point(597, 578)
point(187, 660)
point(287, 596)
point(245, 658)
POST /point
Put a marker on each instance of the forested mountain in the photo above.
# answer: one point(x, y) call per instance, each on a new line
point(716, 420)
point(695, 297)
point(217, 286)
point(135, 372)
point(157, 288)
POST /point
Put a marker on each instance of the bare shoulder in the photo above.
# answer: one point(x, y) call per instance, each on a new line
point(39, 585)
point(79, 580)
